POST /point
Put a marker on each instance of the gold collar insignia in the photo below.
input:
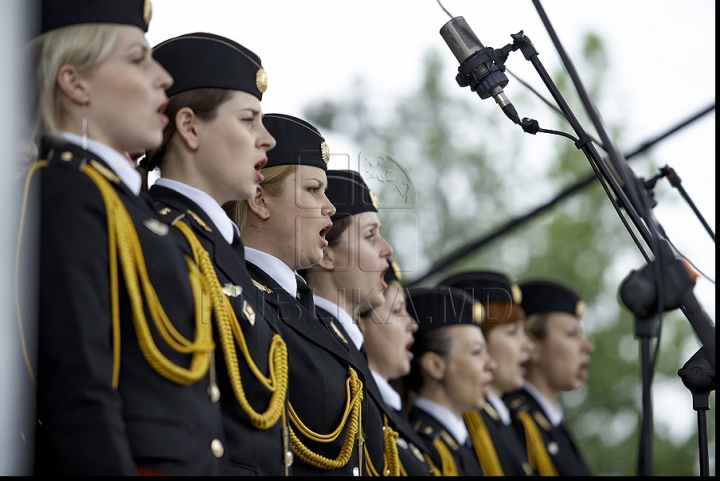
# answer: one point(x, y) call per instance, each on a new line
point(261, 287)
point(199, 220)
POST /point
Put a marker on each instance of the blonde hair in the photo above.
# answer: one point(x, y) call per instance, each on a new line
point(238, 210)
point(83, 47)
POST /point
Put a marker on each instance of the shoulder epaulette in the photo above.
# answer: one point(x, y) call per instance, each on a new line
point(426, 431)
point(542, 420)
point(200, 222)
point(337, 331)
point(517, 402)
point(66, 157)
point(449, 440)
point(168, 214)
point(491, 411)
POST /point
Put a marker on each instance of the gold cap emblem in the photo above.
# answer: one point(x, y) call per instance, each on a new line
point(478, 313)
point(580, 309)
point(325, 152)
point(147, 11)
point(374, 200)
point(396, 269)
point(261, 80)
point(516, 293)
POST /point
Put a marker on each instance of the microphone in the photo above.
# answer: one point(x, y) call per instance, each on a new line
point(477, 68)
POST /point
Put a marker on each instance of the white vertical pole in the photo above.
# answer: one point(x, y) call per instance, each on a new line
point(18, 23)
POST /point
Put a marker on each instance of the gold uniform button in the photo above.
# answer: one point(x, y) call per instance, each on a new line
point(217, 448)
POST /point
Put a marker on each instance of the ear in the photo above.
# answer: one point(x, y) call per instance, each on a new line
point(186, 126)
point(73, 84)
point(328, 260)
point(434, 365)
point(258, 205)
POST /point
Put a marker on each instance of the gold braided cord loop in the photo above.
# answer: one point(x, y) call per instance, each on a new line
point(483, 445)
point(37, 165)
point(229, 330)
point(353, 402)
point(127, 244)
point(434, 471)
point(538, 456)
point(446, 460)
point(391, 459)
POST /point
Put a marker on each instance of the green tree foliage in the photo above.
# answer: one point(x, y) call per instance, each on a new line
point(470, 171)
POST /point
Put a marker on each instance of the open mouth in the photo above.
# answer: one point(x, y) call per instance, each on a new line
point(407, 348)
point(324, 232)
point(161, 112)
point(382, 277)
point(258, 167)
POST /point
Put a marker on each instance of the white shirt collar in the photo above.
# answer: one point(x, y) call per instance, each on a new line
point(455, 425)
point(500, 408)
point(117, 162)
point(209, 205)
point(345, 319)
point(553, 410)
point(274, 267)
point(390, 396)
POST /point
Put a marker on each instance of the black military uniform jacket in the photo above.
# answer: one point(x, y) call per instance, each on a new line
point(509, 448)
point(431, 429)
point(565, 455)
point(251, 451)
point(84, 425)
point(319, 369)
point(410, 446)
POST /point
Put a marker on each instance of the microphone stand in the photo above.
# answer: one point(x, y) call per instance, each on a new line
point(665, 283)
point(699, 378)
point(675, 181)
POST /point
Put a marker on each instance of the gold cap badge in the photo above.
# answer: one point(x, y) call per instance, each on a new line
point(478, 313)
point(147, 11)
point(580, 309)
point(325, 152)
point(396, 269)
point(261, 80)
point(516, 293)
point(374, 200)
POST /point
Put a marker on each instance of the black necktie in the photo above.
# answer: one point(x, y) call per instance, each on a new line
point(305, 295)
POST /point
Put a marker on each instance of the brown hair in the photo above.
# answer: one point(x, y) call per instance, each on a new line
point(536, 324)
point(204, 102)
point(237, 210)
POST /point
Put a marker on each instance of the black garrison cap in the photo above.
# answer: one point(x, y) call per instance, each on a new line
point(349, 193)
point(443, 306)
point(298, 142)
point(63, 13)
point(498, 294)
point(541, 296)
point(205, 60)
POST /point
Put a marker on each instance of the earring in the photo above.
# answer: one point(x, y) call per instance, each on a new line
point(440, 383)
point(84, 127)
